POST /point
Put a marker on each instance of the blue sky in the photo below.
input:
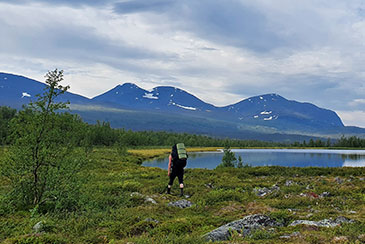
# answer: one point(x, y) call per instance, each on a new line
point(220, 50)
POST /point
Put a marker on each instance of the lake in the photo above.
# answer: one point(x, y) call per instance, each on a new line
point(270, 157)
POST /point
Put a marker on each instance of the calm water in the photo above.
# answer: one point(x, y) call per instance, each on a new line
point(281, 157)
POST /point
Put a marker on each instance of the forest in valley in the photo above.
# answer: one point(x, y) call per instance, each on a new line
point(102, 134)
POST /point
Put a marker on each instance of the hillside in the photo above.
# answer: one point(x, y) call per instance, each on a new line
point(264, 117)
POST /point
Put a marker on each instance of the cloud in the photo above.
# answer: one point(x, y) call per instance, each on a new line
point(353, 118)
point(75, 3)
point(133, 6)
point(220, 50)
point(228, 22)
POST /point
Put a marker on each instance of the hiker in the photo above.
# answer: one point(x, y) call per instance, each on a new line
point(177, 162)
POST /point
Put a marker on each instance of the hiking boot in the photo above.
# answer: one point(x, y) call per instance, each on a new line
point(181, 192)
point(168, 190)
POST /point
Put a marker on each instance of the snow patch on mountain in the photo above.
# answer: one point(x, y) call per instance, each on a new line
point(150, 96)
point(25, 94)
point(184, 107)
point(270, 118)
point(266, 112)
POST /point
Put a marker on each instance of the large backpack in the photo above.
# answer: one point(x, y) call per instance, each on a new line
point(179, 155)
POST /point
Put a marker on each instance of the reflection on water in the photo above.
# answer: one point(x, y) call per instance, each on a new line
point(354, 163)
point(281, 157)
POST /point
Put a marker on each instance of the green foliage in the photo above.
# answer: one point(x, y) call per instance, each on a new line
point(260, 234)
point(41, 163)
point(6, 114)
point(229, 159)
point(109, 213)
point(221, 195)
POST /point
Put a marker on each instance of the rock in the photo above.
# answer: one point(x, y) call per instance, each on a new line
point(361, 237)
point(339, 180)
point(289, 183)
point(261, 192)
point(292, 235)
point(309, 194)
point(243, 227)
point(181, 204)
point(150, 200)
point(362, 179)
point(209, 185)
point(136, 194)
point(352, 212)
point(152, 220)
point(342, 219)
point(146, 198)
point(325, 194)
point(340, 239)
point(324, 222)
point(39, 227)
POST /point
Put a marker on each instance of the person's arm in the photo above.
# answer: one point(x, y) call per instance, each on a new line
point(169, 168)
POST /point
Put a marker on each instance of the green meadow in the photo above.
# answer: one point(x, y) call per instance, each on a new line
point(108, 212)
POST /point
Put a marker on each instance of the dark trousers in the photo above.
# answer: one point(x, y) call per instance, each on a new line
point(180, 175)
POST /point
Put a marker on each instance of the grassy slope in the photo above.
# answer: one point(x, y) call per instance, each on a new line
point(111, 215)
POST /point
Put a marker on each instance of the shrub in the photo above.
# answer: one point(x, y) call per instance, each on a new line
point(40, 164)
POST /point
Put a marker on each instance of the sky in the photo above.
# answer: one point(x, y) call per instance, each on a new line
point(222, 51)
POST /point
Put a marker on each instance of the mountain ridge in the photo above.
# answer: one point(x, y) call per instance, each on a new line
point(164, 107)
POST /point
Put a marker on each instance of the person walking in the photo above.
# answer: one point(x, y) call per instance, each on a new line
point(177, 162)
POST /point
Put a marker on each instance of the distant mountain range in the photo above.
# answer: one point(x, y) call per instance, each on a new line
point(264, 117)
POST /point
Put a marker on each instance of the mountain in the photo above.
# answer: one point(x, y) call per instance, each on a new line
point(17, 90)
point(266, 113)
point(273, 110)
point(164, 98)
point(164, 108)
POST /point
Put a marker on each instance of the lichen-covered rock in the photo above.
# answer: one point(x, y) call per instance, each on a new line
point(150, 200)
point(152, 220)
point(289, 183)
point(147, 199)
point(339, 180)
point(292, 235)
point(181, 204)
point(136, 194)
point(261, 192)
point(340, 239)
point(38, 227)
point(324, 222)
point(325, 194)
point(243, 226)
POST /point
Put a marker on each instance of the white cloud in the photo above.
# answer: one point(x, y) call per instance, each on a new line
point(353, 118)
point(221, 51)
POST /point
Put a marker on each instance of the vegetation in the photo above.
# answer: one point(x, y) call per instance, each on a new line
point(80, 181)
point(229, 160)
point(41, 164)
point(109, 213)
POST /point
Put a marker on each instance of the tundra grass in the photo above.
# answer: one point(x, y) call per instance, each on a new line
point(110, 213)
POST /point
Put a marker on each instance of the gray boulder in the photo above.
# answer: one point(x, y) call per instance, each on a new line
point(39, 227)
point(150, 200)
point(243, 226)
point(181, 204)
point(261, 192)
point(324, 222)
point(289, 183)
point(146, 198)
point(325, 194)
point(339, 180)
